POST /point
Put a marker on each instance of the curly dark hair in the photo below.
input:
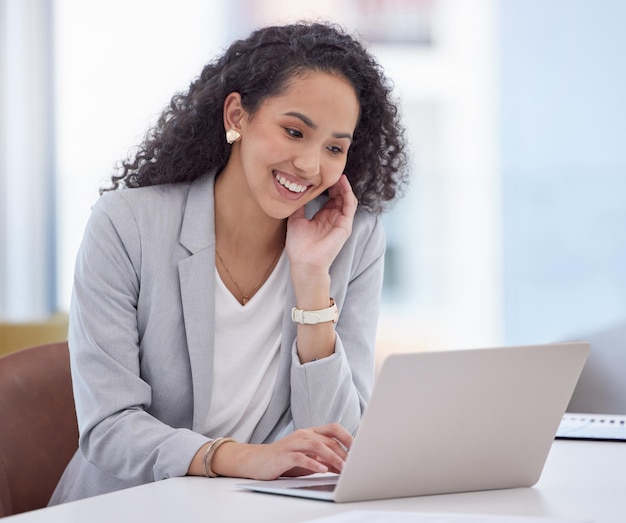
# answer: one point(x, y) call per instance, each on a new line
point(188, 139)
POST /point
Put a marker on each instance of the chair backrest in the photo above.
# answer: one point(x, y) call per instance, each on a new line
point(38, 429)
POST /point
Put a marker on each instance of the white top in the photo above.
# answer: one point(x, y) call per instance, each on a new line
point(247, 343)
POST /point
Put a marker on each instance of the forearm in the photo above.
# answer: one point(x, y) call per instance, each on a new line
point(337, 388)
point(312, 289)
point(325, 391)
point(231, 459)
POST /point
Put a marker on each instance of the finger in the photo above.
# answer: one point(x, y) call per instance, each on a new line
point(337, 448)
point(336, 432)
point(328, 451)
point(343, 186)
point(317, 446)
point(304, 464)
point(350, 201)
point(344, 199)
point(298, 471)
point(285, 458)
point(313, 450)
point(332, 455)
point(333, 191)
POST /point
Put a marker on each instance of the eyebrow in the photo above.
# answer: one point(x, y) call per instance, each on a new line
point(309, 123)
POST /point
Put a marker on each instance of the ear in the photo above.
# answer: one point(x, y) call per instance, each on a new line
point(234, 112)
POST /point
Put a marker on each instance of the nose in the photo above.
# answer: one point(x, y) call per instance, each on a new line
point(307, 160)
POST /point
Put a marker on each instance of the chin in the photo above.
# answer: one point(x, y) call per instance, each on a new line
point(282, 209)
point(281, 215)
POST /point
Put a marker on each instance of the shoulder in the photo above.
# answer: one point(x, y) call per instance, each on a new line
point(366, 245)
point(159, 204)
point(367, 227)
point(144, 201)
point(134, 216)
point(156, 216)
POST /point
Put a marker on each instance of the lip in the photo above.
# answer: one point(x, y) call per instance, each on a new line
point(297, 188)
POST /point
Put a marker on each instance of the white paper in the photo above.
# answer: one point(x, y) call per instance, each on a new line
point(375, 516)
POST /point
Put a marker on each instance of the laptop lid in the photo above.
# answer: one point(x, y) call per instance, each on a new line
point(455, 421)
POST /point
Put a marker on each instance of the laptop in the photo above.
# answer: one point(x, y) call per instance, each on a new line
point(452, 421)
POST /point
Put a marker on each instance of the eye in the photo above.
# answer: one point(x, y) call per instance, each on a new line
point(335, 149)
point(294, 133)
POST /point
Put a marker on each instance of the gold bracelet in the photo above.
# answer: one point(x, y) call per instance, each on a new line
point(208, 455)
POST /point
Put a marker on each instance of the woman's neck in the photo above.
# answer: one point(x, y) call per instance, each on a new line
point(240, 224)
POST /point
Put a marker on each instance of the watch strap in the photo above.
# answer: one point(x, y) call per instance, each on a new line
point(313, 317)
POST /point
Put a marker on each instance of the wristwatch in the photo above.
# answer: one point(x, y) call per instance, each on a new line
point(313, 317)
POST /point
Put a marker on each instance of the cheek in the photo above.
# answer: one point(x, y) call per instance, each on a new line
point(258, 154)
point(260, 147)
point(334, 169)
point(332, 179)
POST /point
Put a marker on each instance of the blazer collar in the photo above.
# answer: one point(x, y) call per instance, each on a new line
point(198, 227)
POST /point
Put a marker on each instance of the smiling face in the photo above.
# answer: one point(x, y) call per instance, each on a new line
point(295, 145)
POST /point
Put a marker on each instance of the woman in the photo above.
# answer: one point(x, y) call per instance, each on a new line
point(226, 295)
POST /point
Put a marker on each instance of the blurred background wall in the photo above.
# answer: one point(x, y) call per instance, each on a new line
point(512, 229)
point(562, 129)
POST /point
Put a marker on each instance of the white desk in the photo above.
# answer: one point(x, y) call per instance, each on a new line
point(580, 479)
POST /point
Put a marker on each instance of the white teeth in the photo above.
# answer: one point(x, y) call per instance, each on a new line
point(292, 186)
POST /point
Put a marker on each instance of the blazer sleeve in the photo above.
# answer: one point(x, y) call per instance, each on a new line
point(336, 389)
point(117, 433)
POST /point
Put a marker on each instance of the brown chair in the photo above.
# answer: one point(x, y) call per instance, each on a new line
point(38, 430)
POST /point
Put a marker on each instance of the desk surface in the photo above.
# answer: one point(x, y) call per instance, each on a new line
point(581, 479)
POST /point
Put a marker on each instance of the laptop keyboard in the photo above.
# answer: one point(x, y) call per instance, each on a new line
point(603, 427)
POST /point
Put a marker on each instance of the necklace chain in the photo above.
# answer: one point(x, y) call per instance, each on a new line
point(246, 297)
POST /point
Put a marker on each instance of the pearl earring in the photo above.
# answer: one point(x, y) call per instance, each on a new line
point(232, 136)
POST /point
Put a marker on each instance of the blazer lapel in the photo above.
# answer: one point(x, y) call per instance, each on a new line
point(197, 284)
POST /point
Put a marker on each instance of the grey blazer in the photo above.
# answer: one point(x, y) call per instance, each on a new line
point(141, 338)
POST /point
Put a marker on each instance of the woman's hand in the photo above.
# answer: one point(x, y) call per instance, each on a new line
point(315, 243)
point(305, 451)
